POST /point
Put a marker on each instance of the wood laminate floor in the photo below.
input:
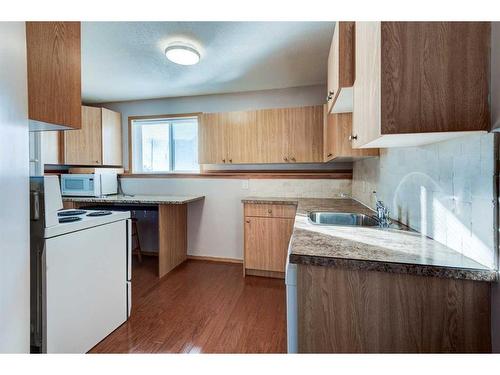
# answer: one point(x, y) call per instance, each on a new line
point(201, 307)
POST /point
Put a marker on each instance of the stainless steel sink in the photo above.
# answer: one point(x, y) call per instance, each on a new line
point(342, 218)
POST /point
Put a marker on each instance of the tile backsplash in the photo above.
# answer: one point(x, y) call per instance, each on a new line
point(320, 188)
point(443, 190)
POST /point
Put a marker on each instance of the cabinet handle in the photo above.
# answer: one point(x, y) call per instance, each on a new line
point(247, 221)
point(329, 96)
point(292, 159)
point(230, 160)
point(270, 211)
point(223, 160)
point(329, 155)
point(353, 137)
point(285, 158)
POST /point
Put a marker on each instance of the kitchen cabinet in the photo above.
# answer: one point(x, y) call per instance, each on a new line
point(279, 135)
point(98, 142)
point(84, 146)
point(228, 137)
point(341, 69)
point(343, 310)
point(111, 123)
point(337, 134)
point(433, 85)
point(267, 232)
point(53, 52)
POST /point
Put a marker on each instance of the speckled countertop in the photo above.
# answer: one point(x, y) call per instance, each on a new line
point(370, 248)
point(137, 199)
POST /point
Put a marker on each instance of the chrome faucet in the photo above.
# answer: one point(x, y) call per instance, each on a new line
point(383, 212)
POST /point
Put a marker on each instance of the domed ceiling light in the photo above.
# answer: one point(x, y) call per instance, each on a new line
point(182, 54)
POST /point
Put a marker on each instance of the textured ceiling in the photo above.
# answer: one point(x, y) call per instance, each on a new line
point(125, 60)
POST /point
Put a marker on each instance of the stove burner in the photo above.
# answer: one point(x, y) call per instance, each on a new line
point(69, 219)
point(71, 213)
point(99, 213)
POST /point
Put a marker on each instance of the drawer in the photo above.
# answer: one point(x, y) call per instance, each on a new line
point(270, 210)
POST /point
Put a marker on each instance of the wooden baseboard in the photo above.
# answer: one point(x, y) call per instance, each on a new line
point(262, 273)
point(215, 259)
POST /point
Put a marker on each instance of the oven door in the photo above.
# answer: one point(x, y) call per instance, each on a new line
point(79, 185)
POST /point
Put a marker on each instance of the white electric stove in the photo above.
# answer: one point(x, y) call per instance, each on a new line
point(80, 272)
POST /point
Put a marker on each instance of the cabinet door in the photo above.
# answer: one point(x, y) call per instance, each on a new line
point(333, 68)
point(111, 137)
point(83, 146)
point(341, 68)
point(366, 114)
point(272, 144)
point(266, 243)
point(212, 139)
point(338, 129)
point(304, 133)
point(241, 137)
point(54, 73)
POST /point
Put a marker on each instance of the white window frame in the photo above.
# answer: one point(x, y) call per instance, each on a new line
point(135, 148)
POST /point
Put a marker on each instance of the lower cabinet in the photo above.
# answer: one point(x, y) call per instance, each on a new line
point(362, 311)
point(268, 229)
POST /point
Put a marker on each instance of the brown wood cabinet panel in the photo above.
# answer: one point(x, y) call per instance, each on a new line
point(304, 133)
point(272, 143)
point(341, 63)
point(212, 138)
point(241, 141)
point(435, 77)
point(172, 232)
point(358, 311)
point(111, 137)
point(337, 130)
point(277, 135)
point(433, 86)
point(84, 146)
point(54, 72)
point(266, 243)
point(270, 210)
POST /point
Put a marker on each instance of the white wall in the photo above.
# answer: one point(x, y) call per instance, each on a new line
point(215, 225)
point(298, 96)
point(14, 190)
point(444, 190)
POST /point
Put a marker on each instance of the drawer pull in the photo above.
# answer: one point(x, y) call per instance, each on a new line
point(270, 211)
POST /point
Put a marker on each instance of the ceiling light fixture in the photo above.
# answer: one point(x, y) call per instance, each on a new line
point(182, 54)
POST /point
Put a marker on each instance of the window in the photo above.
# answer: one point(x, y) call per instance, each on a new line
point(165, 145)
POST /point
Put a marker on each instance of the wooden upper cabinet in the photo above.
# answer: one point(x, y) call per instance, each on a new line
point(54, 75)
point(83, 147)
point(111, 137)
point(337, 134)
point(98, 142)
point(304, 134)
point(279, 135)
point(212, 139)
point(341, 68)
point(433, 85)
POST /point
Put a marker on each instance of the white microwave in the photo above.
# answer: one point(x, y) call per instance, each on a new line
point(89, 185)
